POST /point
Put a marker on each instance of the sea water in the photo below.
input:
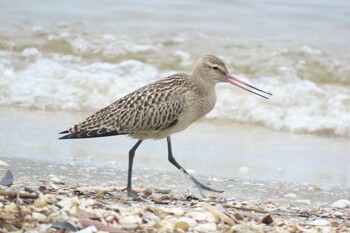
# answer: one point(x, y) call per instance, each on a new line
point(63, 60)
point(79, 55)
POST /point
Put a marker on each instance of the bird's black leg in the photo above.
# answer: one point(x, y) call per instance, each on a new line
point(176, 164)
point(131, 193)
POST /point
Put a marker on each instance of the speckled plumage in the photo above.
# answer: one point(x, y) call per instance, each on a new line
point(149, 109)
point(161, 109)
point(153, 111)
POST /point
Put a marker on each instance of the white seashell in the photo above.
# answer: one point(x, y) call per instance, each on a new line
point(49, 199)
point(290, 195)
point(68, 203)
point(109, 218)
point(175, 211)
point(38, 216)
point(89, 229)
point(87, 202)
point(206, 227)
point(217, 213)
point(319, 222)
point(42, 228)
point(39, 203)
point(57, 180)
point(342, 203)
point(11, 208)
point(212, 218)
point(199, 216)
point(130, 220)
point(25, 210)
point(178, 211)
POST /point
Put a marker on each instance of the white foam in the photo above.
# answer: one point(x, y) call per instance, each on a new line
point(61, 70)
point(184, 57)
point(30, 52)
point(48, 84)
point(296, 105)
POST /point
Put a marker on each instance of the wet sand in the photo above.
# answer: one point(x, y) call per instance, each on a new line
point(31, 173)
point(212, 148)
point(294, 178)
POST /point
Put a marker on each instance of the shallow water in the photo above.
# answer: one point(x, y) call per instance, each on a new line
point(81, 56)
point(60, 61)
point(215, 148)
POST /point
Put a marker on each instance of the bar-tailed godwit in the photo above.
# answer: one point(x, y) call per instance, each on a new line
point(161, 109)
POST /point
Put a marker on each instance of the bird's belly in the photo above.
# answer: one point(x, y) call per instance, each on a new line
point(159, 134)
point(196, 109)
point(183, 122)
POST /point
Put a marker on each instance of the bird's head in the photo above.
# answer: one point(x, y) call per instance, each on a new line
point(213, 70)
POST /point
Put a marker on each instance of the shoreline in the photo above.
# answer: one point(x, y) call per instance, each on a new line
point(171, 197)
point(32, 172)
point(207, 147)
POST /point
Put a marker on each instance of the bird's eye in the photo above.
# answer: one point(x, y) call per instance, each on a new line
point(215, 67)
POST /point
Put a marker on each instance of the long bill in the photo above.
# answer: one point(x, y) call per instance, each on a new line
point(235, 81)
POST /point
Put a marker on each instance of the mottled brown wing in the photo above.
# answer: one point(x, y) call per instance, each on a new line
point(151, 108)
point(129, 120)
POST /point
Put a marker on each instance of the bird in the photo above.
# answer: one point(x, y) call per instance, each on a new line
point(161, 109)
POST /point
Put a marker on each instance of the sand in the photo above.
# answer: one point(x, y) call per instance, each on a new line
point(207, 147)
point(294, 179)
point(246, 204)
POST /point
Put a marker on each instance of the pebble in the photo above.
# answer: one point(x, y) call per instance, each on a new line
point(267, 220)
point(238, 216)
point(290, 195)
point(191, 222)
point(304, 201)
point(182, 225)
point(315, 187)
point(342, 203)
point(162, 191)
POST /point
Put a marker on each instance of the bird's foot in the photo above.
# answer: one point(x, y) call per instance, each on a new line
point(132, 193)
point(201, 186)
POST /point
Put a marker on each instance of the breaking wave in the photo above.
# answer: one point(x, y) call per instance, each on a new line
point(66, 71)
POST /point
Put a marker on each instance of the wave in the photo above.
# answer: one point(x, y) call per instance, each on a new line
point(66, 71)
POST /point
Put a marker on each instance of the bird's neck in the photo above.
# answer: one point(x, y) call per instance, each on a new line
point(204, 87)
point(205, 96)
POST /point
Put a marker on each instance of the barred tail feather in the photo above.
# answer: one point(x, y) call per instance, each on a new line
point(103, 132)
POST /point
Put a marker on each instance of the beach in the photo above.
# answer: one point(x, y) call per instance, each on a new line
point(284, 185)
point(85, 198)
point(208, 147)
point(282, 163)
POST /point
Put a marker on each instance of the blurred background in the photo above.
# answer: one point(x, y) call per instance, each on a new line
point(61, 61)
